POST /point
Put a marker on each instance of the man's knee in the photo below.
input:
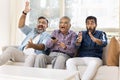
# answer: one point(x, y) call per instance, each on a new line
point(60, 62)
point(40, 57)
point(69, 61)
point(9, 49)
point(97, 62)
point(40, 61)
point(61, 59)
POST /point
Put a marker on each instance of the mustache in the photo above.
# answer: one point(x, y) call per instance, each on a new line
point(39, 31)
point(90, 30)
point(39, 26)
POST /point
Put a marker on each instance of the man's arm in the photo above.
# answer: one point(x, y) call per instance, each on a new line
point(38, 46)
point(35, 46)
point(22, 21)
point(98, 41)
point(23, 16)
point(102, 41)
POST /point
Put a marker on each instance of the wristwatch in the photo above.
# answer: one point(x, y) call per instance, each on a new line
point(24, 13)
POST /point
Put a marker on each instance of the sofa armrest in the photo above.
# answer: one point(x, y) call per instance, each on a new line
point(5, 47)
point(119, 67)
point(119, 60)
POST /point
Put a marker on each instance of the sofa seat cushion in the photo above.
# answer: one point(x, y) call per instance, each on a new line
point(22, 64)
point(103, 73)
point(15, 63)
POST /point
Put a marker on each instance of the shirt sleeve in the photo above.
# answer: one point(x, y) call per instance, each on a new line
point(49, 43)
point(46, 38)
point(25, 29)
point(103, 38)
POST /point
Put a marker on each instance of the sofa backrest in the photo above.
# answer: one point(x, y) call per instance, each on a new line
point(104, 57)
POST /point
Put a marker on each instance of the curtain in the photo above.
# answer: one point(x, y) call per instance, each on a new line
point(16, 8)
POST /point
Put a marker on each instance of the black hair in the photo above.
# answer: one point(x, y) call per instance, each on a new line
point(92, 17)
point(42, 17)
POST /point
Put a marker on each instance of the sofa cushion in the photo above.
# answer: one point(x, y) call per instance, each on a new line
point(112, 58)
point(22, 64)
point(104, 55)
point(106, 73)
point(103, 73)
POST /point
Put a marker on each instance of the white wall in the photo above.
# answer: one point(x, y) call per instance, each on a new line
point(4, 22)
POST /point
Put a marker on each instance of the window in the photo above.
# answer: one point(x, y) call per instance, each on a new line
point(106, 11)
point(47, 8)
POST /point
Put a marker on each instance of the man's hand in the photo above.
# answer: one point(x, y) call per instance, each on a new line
point(30, 44)
point(92, 37)
point(54, 41)
point(62, 45)
point(27, 7)
point(35, 46)
point(98, 41)
point(79, 38)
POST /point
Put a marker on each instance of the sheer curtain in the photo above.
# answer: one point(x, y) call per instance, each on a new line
point(4, 22)
point(106, 11)
point(9, 16)
point(16, 8)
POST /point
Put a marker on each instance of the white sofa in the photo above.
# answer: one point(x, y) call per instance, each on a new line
point(104, 72)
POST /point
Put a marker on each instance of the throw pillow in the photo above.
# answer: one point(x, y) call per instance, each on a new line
point(112, 58)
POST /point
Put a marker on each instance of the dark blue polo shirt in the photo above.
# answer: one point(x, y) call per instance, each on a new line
point(88, 48)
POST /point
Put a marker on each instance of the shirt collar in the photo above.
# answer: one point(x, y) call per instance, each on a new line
point(35, 31)
point(67, 32)
point(92, 33)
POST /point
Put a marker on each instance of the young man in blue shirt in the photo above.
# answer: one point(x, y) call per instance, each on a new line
point(90, 45)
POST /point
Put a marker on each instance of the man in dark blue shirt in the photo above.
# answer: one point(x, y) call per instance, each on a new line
point(90, 45)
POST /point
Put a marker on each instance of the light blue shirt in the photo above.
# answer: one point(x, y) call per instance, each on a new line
point(30, 34)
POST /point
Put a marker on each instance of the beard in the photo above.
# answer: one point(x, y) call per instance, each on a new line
point(91, 30)
point(40, 30)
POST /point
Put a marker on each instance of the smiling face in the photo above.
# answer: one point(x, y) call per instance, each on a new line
point(64, 25)
point(41, 25)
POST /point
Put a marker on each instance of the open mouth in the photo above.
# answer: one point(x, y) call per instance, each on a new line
point(40, 26)
point(62, 27)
